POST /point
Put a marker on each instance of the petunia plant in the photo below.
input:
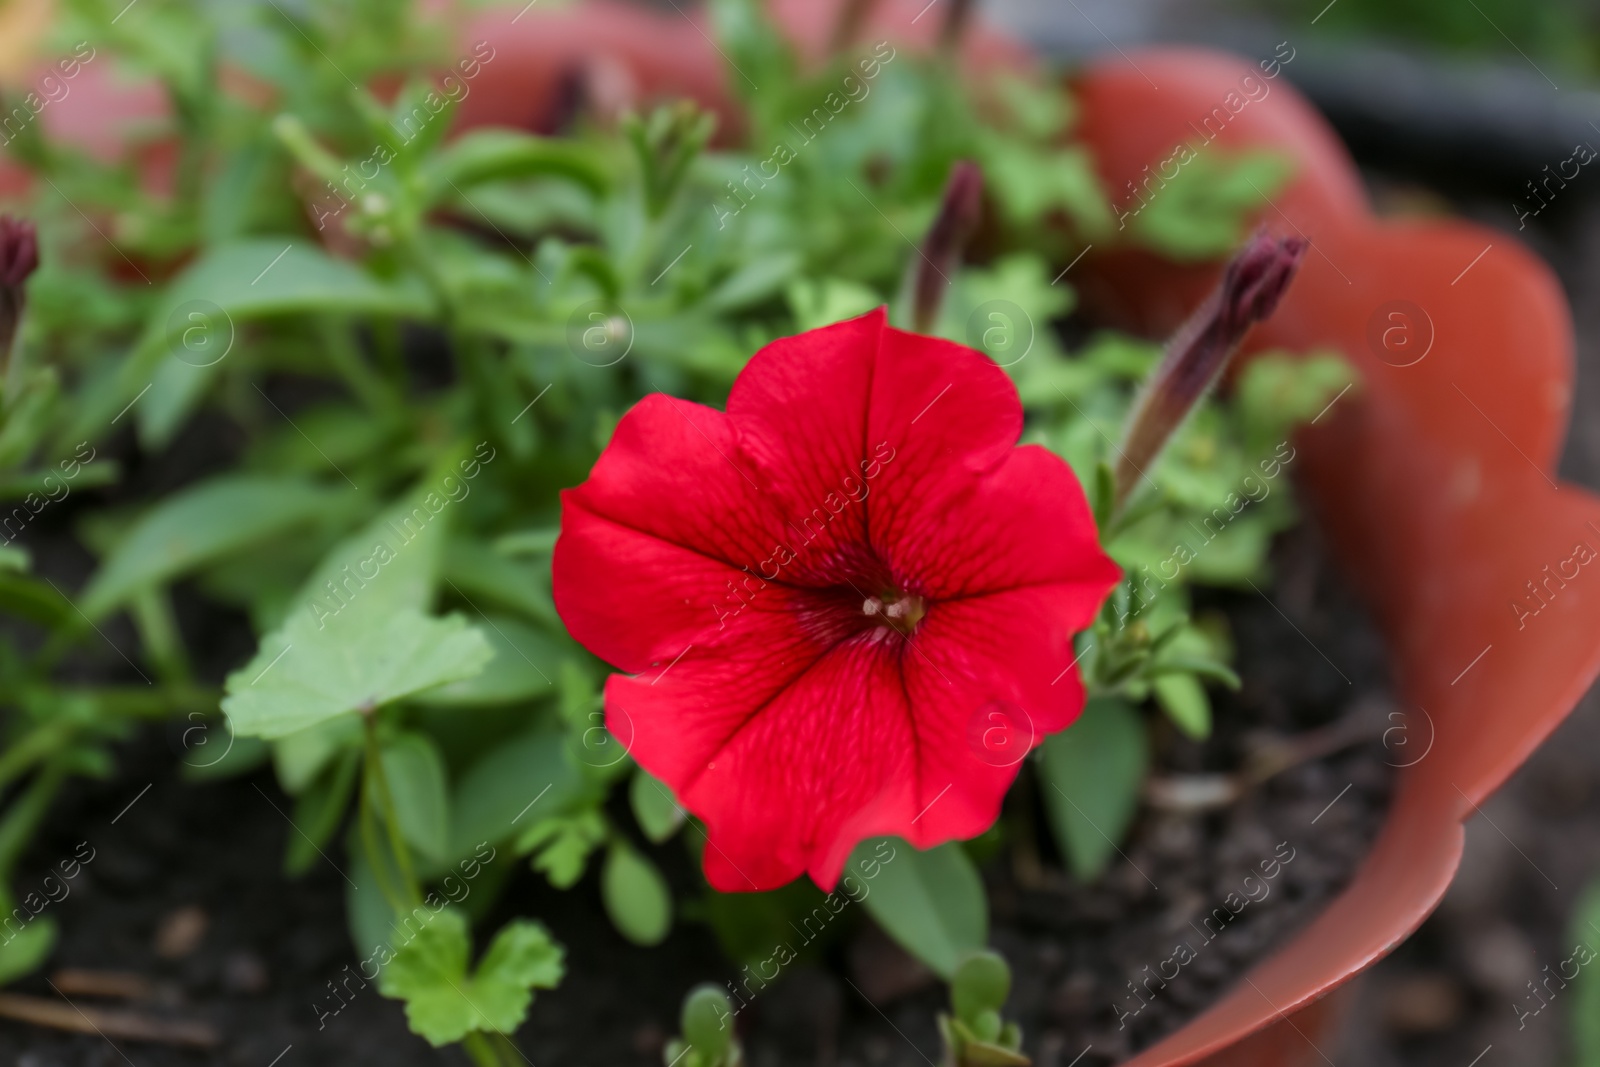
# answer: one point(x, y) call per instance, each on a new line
point(643, 483)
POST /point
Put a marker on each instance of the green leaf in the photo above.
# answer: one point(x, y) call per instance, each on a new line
point(981, 983)
point(444, 1003)
point(358, 638)
point(654, 806)
point(305, 674)
point(754, 282)
point(318, 812)
point(487, 155)
point(522, 778)
point(706, 1022)
point(1093, 772)
point(561, 845)
point(1030, 182)
point(241, 755)
point(522, 957)
point(491, 580)
point(824, 301)
point(200, 525)
point(522, 668)
point(636, 896)
point(931, 902)
point(390, 565)
point(193, 325)
point(1184, 700)
point(34, 600)
point(300, 757)
point(417, 782)
point(1586, 986)
point(1204, 210)
point(26, 949)
point(1199, 666)
point(752, 46)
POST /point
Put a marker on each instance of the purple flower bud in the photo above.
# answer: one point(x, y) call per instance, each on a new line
point(19, 251)
point(19, 255)
point(947, 238)
point(1251, 287)
point(957, 16)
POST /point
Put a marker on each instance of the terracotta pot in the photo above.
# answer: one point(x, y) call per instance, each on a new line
point(1436, 484)
point(1435, 481)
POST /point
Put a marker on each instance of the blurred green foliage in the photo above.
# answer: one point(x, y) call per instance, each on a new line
point(391, 349)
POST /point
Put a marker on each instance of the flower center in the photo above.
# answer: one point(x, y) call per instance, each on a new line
point(900, 610)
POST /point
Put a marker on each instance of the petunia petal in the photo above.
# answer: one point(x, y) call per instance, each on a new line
point(1025, 522)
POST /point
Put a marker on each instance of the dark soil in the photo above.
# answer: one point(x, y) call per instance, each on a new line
point(1086, 959)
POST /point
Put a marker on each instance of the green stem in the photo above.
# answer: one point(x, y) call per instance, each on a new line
point(508, 1050)
point(25, 814)
point(378, 395)
point(158, 630)
point(33, 746)
point(375, 857)
point(380, 782)
point(482, 1053)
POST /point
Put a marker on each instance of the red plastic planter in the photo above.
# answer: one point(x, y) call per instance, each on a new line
point(1436, 484)
point(1435, 481)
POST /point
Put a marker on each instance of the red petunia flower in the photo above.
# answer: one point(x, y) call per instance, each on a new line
point(847, 604)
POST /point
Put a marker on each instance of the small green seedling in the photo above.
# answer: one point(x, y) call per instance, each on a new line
point(976, 1036)
point(708, 1039)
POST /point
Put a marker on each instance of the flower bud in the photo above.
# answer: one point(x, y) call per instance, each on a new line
point(957, 17)
point(947, 238)
point(1252, 285)
point(19, 256)
point(19, 251)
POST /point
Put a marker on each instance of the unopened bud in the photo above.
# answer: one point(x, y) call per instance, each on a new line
point(19, 256)
point(957, 16)
point(1251, 287)
point(19, 251)
point(947, 238)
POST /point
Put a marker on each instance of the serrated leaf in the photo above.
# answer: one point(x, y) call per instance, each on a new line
point(389, 565)
point(636, 896)
point(1204, 209)
point(522, 668)
point(561, 845)
point(1093, 772)
point(931, 902)
point(306, 674)
point(444, 1003)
